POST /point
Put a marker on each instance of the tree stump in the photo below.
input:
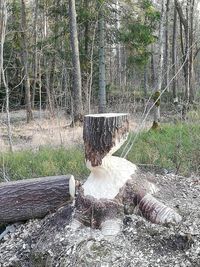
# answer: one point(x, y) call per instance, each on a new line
point(34, 198)
point(115, 186)
point(104, 134)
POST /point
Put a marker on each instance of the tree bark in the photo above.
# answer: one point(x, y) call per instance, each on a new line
point(77, 86)
point(3, 23)
point(35, 56)
point(102, 133)
point(188, 51)
point(118, 49)
point(153, 76)
point(166, 54)
point(174, 43)
point(191, 48)
point(49, 96)
point(85, 60)
point(34, 198)
point(145, 80)
point(25, 62)
point(102, 71)
point(157, 94)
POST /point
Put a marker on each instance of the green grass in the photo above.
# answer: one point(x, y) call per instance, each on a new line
point(44, 162)
point(174, 147)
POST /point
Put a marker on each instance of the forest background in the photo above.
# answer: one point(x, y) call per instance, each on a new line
point(62, 59)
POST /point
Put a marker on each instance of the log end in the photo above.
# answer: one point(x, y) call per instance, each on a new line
point(72, 186)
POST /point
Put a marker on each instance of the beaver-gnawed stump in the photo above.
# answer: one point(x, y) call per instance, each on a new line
point(115, 186)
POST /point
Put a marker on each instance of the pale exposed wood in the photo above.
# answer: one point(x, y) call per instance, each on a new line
point(115, 185)
point(34, 198)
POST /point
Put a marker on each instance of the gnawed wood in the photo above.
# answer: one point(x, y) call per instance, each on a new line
point(101, 133)
point(157, 212)
point(115, 186)
point(34, 198)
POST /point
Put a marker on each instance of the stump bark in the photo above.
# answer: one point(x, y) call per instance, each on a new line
point(97, 204)
point(34, 198)
point(102, 134)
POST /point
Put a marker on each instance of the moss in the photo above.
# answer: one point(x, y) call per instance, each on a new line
point(155, 98)
point(155, 126)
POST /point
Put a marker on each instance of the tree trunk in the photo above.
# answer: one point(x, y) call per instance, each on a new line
point(191, 47)
point(102, 71)
point(40, 86)
point(34, 198)
point(49, 100)
point(145, 80)
point(35, 56)
point(174, 49)
point(3, 23)
point(188, 52)
point(166, 54)
point(153, 76)
point(51, 92)
point(118, 49)
point(85, 72)
point(90, 79)
point(157, 95)
point(77, 87)
point(25, 62)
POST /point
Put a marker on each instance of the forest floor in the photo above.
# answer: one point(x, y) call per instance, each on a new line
point(53, 242)
point(45, 131)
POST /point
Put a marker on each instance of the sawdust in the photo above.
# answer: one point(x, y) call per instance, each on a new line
point(53, 242)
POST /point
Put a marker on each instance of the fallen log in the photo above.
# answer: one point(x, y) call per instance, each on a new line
point(34, 198)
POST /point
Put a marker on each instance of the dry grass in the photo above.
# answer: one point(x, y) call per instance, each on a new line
point(43, 132)
point(40, 132)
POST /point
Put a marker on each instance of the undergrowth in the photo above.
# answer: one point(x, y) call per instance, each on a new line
point(44, 162)
point(174, 147)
